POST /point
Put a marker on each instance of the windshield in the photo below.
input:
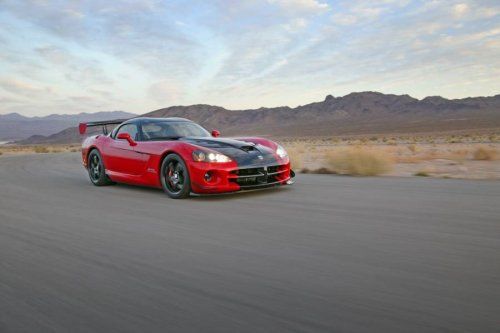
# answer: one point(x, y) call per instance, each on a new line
point(168, 130)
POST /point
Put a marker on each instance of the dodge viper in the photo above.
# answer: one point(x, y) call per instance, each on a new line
point(181, 157)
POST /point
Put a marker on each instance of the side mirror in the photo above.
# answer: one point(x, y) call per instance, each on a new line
point(126, 136)
point(215, 133)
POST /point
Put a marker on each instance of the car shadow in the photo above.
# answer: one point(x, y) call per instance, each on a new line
point(241, 194)
point(207, 197)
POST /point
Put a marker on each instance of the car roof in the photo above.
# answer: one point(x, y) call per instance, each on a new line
point(145, 119)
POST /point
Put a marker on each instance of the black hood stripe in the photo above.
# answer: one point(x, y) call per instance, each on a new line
point(245, 154)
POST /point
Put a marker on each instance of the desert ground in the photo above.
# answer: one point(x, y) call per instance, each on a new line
point(452, 156)
point(457, 156)
point(10, 149)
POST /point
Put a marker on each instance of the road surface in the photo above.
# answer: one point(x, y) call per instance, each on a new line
point(329, 254)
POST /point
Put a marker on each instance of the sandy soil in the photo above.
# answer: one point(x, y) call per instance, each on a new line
point(445, 160)
point(38, 149)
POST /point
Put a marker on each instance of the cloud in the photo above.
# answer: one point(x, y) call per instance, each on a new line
point(126, 29)
point(301, 6)
point(144, 54)
point(460, 9)
point(296, 24)
point(54, 54)
point(9, 100)
point(165, 92)
point(75, 14)
point(488, 12)
point(24, 88)
point(345, 19)
point(353, 12)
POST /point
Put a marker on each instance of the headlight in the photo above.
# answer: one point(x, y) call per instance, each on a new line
point(201, 156)
point(281, 152)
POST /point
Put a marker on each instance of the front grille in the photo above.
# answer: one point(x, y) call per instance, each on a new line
point(260, 176)
point(273, 169)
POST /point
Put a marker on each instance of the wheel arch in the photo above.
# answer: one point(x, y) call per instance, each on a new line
point(93, 147)
point(89, 150)
point(163, 156)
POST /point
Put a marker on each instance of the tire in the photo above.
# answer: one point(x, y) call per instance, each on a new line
point(175, 179)
point(97, 172)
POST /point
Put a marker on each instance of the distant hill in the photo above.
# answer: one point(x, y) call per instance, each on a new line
point(356, 113)
point(14, 126)
point(361, 113)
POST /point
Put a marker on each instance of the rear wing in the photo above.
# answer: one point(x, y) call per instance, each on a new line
point(82, 127)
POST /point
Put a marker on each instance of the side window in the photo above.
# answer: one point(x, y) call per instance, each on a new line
point(130, 129)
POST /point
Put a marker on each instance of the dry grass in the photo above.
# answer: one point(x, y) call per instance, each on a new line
point(359, 162)
point(38, 149)
point(413, 149)
point(41, 150)
point(485, 154)
point(475, 155)
point(420, 154)
point(296, 159)
point(296, 153)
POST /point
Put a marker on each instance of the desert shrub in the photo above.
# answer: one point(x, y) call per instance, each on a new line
point(494, 138)
point(359, 162)
point(412, 148)
point(458, 155)
point(421, 174)
point(1, 153)
point(296, 158)
point(74, 150)
point(485, 154)
point(41, 150)
point(323, 171)
point(409, 159)
point(296, 154)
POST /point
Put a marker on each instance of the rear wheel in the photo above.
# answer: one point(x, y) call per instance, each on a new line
point(97, 173)
point(175, 179)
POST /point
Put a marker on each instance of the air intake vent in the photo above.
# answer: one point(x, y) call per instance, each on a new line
point(248, 148)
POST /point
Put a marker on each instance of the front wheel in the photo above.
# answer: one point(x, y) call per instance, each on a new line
point(96, 170)
point(175, 177)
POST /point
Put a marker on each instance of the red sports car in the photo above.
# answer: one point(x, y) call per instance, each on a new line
point(181, 157)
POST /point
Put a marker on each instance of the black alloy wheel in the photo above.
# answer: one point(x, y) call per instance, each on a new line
point(175, 177)
point(95, 166)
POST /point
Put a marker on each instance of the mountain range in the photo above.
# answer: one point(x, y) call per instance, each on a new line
point(14, 126)
point(364, 113)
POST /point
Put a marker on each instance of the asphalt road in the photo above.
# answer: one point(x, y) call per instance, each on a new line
point(329, 254)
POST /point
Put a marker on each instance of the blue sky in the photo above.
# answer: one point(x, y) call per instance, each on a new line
point(88, 56)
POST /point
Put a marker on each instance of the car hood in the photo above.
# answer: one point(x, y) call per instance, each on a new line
point(244, 153)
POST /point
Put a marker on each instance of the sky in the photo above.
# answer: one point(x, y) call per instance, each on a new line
point(137, 56)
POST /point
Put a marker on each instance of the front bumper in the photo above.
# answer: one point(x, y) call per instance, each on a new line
point(207, 178)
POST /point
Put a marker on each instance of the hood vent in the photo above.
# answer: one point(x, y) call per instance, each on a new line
point(248, 148)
